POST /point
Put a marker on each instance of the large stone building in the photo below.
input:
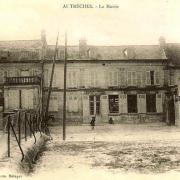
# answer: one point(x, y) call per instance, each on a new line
point(126, 83)
point(129, 84)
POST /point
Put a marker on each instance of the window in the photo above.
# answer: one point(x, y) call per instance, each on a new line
point(139, 78)
point(72, 104)
point(72, 79)
point(132, 78)
point(93, 79)
point(94, 104)
point(151, 102)
point(152, 77)
point(91, 104)
point(122, 78)
point(97, 104)
point(132, 103)
point(53, 103)
point(113, 104)
point(113, 78)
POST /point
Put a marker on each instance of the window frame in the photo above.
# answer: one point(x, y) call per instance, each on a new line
point(113, 99)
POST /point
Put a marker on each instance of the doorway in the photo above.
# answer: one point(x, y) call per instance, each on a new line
point(94, 105)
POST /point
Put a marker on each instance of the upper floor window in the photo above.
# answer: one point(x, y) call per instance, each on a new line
point(113, 78)
point(152, 78)
point(72, 79)
point(132, 78)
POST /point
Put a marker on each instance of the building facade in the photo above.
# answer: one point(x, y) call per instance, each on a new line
point(129, 84)
point(125, 83)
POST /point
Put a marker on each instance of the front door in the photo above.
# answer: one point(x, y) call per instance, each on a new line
point(94, 105)
point(171, 111)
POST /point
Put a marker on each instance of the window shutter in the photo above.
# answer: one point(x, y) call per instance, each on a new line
point(13, 100)
point(123, 103)
point(110, 79)
point(86, 112)
point(122, 78)
point(87, 77)
point(141, 102)
point(104, 105)
point(148, 78)
point(159, 103)
point(157, 77)
point(139, 79)
point(129, 78)
point(134, 78)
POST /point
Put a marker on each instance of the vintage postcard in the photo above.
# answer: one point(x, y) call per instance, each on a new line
point(89, 89)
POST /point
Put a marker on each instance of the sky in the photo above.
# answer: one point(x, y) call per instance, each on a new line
point(134, 22)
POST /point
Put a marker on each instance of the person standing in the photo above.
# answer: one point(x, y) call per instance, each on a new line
point(93, 122)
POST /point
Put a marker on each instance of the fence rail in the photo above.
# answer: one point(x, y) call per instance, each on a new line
point(22, 124)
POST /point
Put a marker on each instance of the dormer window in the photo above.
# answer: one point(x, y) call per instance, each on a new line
point(125, 52)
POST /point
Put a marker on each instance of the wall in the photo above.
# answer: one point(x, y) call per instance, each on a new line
point(103, 75)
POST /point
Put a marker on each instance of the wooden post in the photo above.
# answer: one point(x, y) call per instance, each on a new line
point(19, 127)
point(20, 99)
point(64, 99)
point(25, 130)
point(8, 140)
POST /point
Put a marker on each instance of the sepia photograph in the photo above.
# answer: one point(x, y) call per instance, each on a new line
point(90, 89)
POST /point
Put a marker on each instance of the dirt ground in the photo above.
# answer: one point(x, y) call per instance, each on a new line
point(111, 151)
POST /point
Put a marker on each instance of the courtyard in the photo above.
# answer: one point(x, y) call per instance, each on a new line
point(124, 150)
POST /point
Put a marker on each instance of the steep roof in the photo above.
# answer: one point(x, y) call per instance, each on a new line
point(20, 50)
point(124, 52)
point(21, 44)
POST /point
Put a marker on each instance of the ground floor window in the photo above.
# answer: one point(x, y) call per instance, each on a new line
point(113, 104)
point(151, 102)
point(94, 104)
point(132, 103)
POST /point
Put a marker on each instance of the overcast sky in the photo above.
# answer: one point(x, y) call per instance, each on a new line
point(134, 22)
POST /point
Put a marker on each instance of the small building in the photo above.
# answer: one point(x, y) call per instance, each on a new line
point(20, 74)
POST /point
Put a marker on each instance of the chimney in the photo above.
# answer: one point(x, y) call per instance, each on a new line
point(44, 44)
point(83, 47)
point(43, 36)
point(162, 42)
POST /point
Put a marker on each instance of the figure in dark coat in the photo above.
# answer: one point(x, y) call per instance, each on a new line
point(93, 122)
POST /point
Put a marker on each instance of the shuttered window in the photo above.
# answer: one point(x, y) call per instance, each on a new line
point(148, 78)
point(72, 79)
point(132, 78)
point(157, 77)
point(159, 103)
point(123, 103)
point(72, 103)
point(139, 79)
point(113, 78)
point(53, 103)
point(113, 104)
point(122, 78)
